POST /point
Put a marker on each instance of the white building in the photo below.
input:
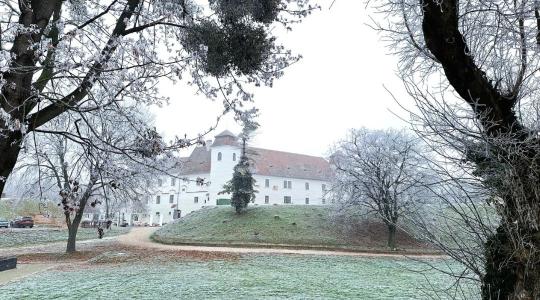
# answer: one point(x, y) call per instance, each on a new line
point(281, 178)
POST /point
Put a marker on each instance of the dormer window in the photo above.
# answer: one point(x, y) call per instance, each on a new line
point(219, 156)
point(234, 156)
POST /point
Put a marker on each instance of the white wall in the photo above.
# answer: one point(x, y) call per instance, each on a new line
point(163, 211)
point(189, 190)
point(222, 171)
point(298, 192)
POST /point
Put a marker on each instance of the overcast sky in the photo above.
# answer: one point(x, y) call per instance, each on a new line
point(337, 85)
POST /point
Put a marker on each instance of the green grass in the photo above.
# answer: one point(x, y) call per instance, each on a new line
point(27, 237)
point(299, 226)
point(250, 277)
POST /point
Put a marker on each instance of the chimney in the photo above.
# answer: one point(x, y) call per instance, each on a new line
point(208, 143)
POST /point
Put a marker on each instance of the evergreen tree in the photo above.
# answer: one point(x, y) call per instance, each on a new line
point(241, 186)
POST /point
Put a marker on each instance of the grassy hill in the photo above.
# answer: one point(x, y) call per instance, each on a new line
point(278, 226)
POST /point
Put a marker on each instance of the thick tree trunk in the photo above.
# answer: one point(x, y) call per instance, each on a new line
point(512, 274)
point(9, 152)
point(512, 269)
point(391, 236)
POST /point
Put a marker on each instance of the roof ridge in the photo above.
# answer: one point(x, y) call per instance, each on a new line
point(288, 152)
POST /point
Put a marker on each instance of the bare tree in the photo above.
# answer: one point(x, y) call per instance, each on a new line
point(80, 56)
point(86, 170)
point(472, 67)
point(381, 172)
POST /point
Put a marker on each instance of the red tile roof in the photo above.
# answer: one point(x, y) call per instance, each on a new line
point(267, 162)
point(290, 165)
point(198, 162)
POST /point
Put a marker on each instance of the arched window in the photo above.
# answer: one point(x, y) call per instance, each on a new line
point(234, 156)
point(219, 156)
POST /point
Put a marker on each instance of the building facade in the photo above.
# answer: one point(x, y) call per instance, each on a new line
point(281, 178)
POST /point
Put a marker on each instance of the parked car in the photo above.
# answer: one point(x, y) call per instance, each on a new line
point(22, 222)
point(4, 223)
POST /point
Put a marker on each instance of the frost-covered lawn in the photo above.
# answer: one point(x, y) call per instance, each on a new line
point(249, 277)
point(18, 237)
point(292, 225)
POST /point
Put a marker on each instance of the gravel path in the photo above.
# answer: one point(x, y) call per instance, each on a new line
point(140, 237)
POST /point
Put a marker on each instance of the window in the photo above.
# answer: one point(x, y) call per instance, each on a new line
point(324, 187)
point(287, 200)
point(234, 156)
point(169, 213)
point(196, 200)
point(173, 181)
point(307, 200)
point(267, 183)
point(287, 184)
point(266, 199)
point(160, 182)
point(158, 199)
point(307, 186)
point(135, 217)
point(219, 156)
point(171, 199)
point(284, 184)
point(323, 201)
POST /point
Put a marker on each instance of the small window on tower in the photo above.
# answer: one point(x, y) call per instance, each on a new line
point(219, 156)
point(267, 183)
point(307, 186)
point(234, 156)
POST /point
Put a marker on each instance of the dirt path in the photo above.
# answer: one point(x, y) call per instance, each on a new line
point(140, 237)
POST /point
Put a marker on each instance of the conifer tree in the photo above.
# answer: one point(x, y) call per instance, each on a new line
point(241, 186)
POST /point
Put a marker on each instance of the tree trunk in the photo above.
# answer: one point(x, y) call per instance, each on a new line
point(512, 269)
point(72, 232)
point(9, 152)
point(512, 274)
point(391, 236)
point(72, 238)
